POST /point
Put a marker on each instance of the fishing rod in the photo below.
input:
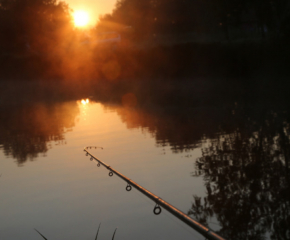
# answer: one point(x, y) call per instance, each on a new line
point(206, 232)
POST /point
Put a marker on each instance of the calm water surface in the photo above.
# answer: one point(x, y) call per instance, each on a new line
point(227, 167)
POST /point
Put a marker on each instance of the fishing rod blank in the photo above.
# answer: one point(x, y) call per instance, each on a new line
point(206, 232)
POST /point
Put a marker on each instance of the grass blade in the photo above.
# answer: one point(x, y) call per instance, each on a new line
point(114, 234)
point(40, 234)
point(98, 231)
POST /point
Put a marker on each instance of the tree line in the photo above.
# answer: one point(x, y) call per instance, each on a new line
point(39, 37)
point(149, 17)
point(41, 24)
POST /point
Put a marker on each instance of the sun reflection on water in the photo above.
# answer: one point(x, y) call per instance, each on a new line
point(85, 101)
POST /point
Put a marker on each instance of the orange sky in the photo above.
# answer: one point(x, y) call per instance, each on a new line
point(93, 7)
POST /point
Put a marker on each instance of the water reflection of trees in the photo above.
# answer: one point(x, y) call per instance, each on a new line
point(27, 131)
point(182, 129)
point(247, 175)
point(244, 163)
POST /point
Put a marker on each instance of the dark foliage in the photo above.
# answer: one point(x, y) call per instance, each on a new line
point(34, 36)
point(149, 17)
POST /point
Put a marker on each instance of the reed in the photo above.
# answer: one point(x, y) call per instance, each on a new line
point(95, 237)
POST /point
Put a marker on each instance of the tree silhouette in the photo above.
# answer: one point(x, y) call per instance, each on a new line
point(37, 35)
point(38, 24)
point(151, 17)
point(159, 16)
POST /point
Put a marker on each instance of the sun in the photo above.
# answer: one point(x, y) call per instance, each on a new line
point(81, 18)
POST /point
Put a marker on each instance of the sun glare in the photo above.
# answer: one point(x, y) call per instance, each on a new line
point(81, 18)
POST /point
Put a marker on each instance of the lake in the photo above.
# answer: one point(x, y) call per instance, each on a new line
point(226, 166)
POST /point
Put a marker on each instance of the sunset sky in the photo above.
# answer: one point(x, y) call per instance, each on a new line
point(93, 7)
